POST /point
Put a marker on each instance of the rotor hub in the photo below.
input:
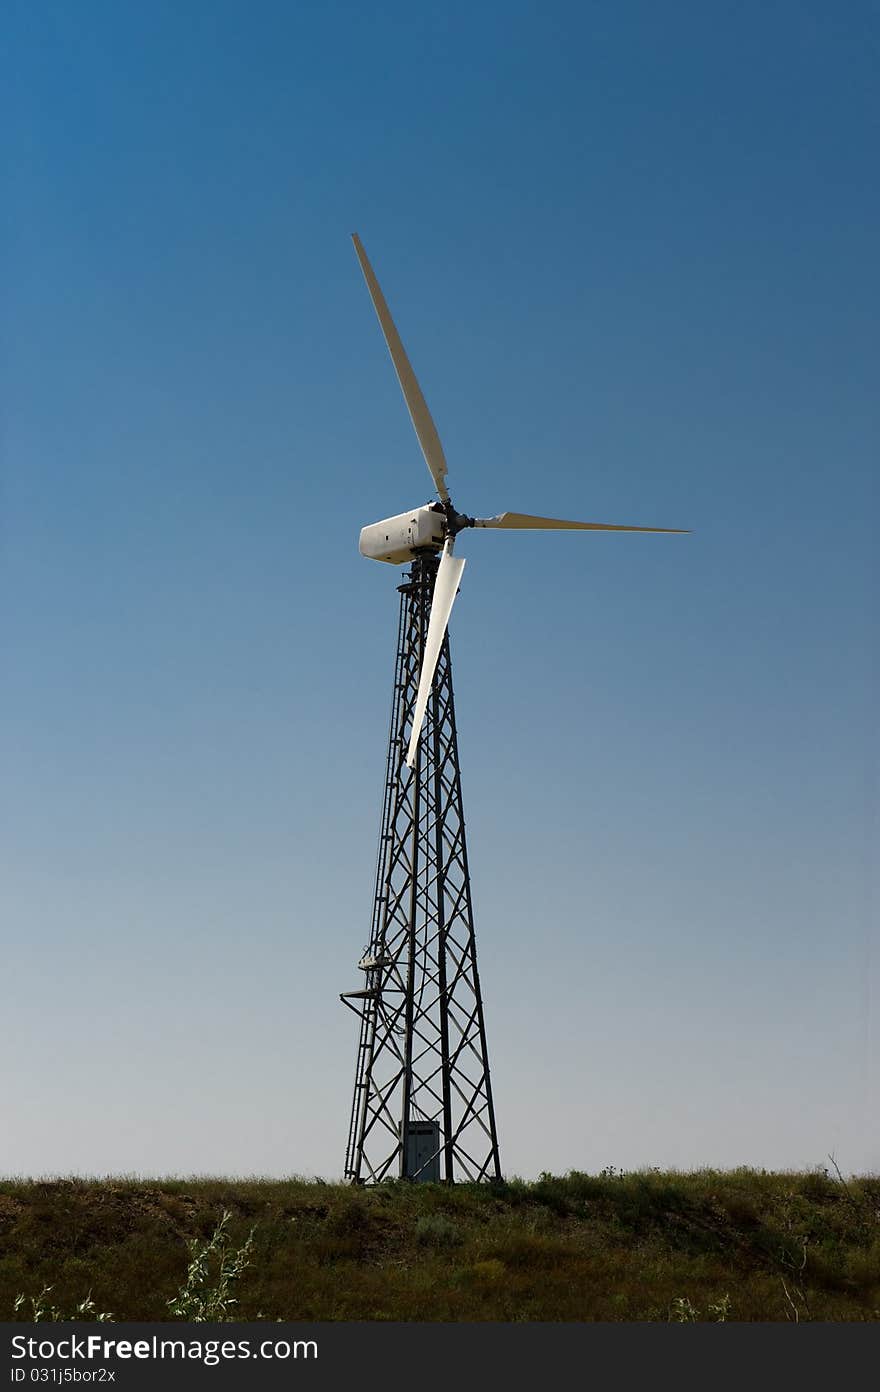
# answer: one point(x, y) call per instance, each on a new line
point(455, 521)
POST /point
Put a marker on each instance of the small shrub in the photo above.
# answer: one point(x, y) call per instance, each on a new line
point(816, 1186)
point(720, 1310)
point(42, 1312)
point(683, 1311)
point(435, 1230)
point(205, 1296)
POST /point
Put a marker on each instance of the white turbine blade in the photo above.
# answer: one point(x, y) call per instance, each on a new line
point(445, 590)
point(412, 393)
point(523, 522)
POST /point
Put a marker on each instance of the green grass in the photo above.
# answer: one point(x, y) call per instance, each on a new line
point(712, 1245)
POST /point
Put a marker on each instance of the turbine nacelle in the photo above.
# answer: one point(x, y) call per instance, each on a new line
point(399, 540)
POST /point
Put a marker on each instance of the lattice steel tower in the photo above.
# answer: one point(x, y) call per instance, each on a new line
point(422, 1103)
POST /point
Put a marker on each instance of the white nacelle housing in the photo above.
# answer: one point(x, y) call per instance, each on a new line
point(397, 539)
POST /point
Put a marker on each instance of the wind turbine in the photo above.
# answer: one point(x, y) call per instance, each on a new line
point(422, 1101)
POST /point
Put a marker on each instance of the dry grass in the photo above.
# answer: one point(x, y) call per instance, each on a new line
point(741, 1245)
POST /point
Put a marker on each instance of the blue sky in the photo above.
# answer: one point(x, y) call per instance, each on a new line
point(631, 250)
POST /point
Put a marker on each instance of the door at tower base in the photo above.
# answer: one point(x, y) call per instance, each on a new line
point(423, 1152)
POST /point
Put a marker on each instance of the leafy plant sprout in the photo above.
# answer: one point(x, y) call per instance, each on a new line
point(199, 1301)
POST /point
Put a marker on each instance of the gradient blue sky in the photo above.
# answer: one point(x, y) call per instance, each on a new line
point(632, 251)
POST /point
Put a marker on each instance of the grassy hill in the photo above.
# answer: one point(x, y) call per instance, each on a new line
point(712, 1245)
